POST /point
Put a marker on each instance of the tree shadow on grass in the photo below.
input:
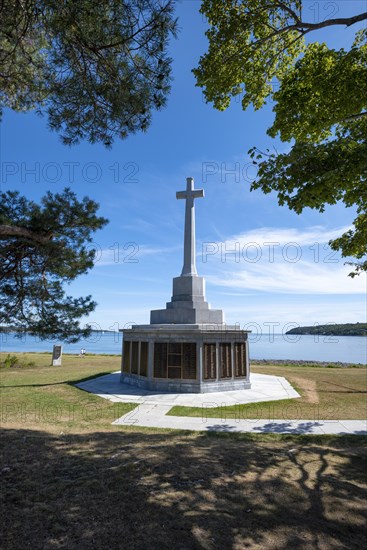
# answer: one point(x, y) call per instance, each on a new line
point(146, 490)
point(35, 385)
point(68, 382)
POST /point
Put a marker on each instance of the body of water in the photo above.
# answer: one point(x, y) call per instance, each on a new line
point(347, 349)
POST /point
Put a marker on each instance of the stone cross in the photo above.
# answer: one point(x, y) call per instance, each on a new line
point(189, 267)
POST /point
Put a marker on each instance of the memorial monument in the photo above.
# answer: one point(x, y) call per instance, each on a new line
point(187, 347)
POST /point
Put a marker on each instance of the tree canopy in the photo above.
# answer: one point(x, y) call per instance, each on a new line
point(258, 50)
point(42, 248)
point(97, 68)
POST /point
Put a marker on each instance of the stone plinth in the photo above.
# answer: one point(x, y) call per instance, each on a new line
point(187, 358)
point(187, 305)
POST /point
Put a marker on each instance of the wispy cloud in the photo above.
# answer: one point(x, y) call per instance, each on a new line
point(281, 260)
point(301, 278)
point(140, 224)
point(151, 250)
point(130, 253)
point(308, 236)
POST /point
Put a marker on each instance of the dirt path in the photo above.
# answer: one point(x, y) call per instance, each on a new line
point(308, 387)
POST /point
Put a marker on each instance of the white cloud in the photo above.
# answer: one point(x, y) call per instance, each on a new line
point(300, 278)
point(298, 262)
point(283, 236)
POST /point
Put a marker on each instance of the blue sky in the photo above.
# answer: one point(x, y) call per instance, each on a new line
point(280, 270)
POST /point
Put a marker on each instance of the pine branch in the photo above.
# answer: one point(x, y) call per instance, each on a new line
point(22, 232)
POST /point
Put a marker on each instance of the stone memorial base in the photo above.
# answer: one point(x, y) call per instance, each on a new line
point(187, 304)
point(186, 358)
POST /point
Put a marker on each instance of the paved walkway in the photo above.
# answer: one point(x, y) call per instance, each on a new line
point(263, 388)
point(153, 408)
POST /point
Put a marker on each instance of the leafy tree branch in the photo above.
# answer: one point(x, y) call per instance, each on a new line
point(320, 106)
point(42, 248)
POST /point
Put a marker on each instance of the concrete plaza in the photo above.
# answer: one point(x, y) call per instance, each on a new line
point(153, 408)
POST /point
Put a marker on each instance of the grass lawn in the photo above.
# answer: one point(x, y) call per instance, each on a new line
point(40, 395)
point(326, 394)
point(71, 480)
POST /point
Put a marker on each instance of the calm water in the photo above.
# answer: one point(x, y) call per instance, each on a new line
point(348, 349)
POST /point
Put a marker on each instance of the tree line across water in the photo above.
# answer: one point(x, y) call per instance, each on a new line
point(346, 329)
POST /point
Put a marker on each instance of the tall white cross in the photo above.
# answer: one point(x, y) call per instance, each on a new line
point(189, 267)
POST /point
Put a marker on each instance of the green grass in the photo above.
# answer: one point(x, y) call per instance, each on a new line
point(72, 480)
point(326, 394)
point(44, 397)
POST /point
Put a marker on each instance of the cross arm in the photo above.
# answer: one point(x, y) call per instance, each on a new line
point(198, 193)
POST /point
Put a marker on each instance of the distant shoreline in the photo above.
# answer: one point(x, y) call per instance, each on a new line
point(346, 329)
point(258, 362)
point(305, 363)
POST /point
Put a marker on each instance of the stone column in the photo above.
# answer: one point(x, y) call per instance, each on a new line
point(122, 355)
point(139, 348)
point(199, 361)
point(247, 360)
point(232, 361)
point(150, 359)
